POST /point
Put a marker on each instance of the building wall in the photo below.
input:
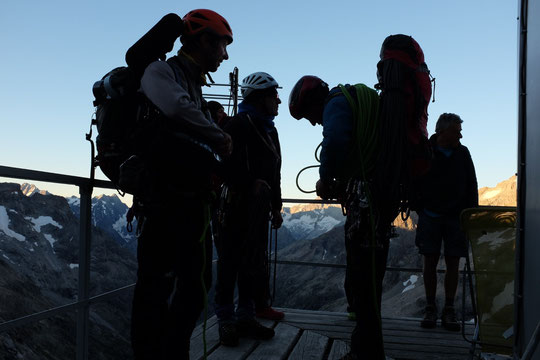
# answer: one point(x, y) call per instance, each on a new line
point(528, 314)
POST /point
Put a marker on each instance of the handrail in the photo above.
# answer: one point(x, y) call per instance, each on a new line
point(10, 324)
point(82, 305)
point(18, 173)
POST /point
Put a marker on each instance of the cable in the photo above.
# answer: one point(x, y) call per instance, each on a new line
point(202, 240)
point(318, 158)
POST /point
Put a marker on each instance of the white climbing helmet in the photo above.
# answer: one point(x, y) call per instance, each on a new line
point(257, 81)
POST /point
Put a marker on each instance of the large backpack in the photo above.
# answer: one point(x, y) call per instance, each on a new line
point(122, 112)
point(405, 151)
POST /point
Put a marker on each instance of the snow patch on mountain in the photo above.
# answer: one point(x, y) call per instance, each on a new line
point(4, 225)
point(312, 223)
point(41, 221)
point(328, 223)
point(410, 283)
point(120, 226)
point(73, 201)
point(491, 194)
point(50, 239)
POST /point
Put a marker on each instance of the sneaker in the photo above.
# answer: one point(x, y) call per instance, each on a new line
point(448, 319)
point(253, 329)
point(430, 317)
point(351, 316)
point(270, 314)
point(228, 335)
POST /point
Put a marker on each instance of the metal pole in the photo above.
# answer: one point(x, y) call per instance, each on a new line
point(235, 90)
point(83, 312)
point(519, 343)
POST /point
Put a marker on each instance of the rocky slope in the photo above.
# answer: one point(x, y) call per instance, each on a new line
point(322, 288)
point(504, 194)
point(39, 265)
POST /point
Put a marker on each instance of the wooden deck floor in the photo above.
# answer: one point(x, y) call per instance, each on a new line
point(325, 335)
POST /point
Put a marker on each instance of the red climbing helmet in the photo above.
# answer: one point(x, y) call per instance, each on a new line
point(200, 20)
point(307, 90)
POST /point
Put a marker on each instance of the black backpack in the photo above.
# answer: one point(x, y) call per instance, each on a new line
point(122, 112)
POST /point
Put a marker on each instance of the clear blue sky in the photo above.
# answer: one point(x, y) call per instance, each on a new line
point(53, 51)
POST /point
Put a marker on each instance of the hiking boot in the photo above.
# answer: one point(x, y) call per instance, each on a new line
point(253, 329)
point(228, 335)
point(448, 319)
point(430, 317)
point(270, 314)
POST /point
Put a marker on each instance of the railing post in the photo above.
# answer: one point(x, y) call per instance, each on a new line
point(83, 312)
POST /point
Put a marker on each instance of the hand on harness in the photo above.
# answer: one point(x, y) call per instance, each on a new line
point(326, 190)
point(260, 188)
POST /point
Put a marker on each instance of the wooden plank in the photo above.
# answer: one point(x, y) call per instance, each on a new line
point(433, 349)
point(239, 352)
point(315, 318)
point(303, 334)
point(442, 337)
point(310, 346)
point(401, 354)
point(279, 346)
point(209, 323)
point(338, 350)
point(196, 350)
point(318, 312)
point(348, 326)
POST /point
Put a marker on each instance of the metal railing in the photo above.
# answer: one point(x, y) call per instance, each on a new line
point(82, 305)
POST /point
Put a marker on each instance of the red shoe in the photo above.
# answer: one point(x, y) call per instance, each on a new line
point(270, 314)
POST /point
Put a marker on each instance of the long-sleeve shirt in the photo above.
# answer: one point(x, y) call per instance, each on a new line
point(450, 185)
point(256, 155)
point(337, 136)
point(180, 100)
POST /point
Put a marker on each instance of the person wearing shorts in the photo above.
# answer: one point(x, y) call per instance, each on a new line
point(448, 188)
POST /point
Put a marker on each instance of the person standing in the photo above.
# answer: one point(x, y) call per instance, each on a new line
point(252, 197)
point(346, 174)
point(174, 249)
point(448, 188)
point(366, 163)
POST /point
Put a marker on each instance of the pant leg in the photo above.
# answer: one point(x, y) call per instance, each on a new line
point(153, 287)
point(229, 252)
point(253, 277)
point(367, 267)
point(169, 293)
